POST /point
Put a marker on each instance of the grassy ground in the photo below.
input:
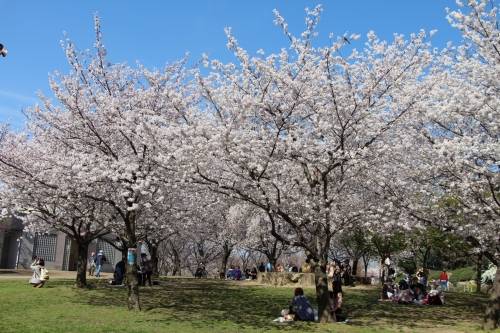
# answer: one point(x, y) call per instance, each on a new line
point(189, 305)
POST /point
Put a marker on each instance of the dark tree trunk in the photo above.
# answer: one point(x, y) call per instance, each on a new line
point(355, 266)
point(176, 270)
point(492, 314)
point(426, 259)
point(478, 276)
point(132, 287)
point(153, 251)
point(81, 274)
point(225, 257)
point(366, 262)
point(322, 293)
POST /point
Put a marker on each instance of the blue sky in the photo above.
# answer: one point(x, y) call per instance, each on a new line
point(156, 32)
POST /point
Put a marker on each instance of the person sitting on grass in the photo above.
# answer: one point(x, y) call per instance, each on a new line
point(253, 274)
point(417, 285)
point(405, 293)
point(230, 273)
point(237, 273)
point(36, 266)
point(304, 311)
point(388, 290)
point(436, 296)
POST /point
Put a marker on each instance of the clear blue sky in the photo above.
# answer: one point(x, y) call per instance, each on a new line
point(156, 32)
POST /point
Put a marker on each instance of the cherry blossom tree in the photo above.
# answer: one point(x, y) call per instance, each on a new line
point(96, 133)
point(447, 174)
point(297, 133)
point(36, 187)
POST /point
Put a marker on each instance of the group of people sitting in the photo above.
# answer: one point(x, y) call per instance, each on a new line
point(236, 273)
point(414, 293)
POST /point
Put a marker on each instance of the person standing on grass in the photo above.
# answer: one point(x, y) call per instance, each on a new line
point(92, 264)
point(120, 270)
point(304, 311)
point(346, 273)
point(147, 269)
point(36, 280)
point(336, 302)
point(444, 280)
point(100, 259)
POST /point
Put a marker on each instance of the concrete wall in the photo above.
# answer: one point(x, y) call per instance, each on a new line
point(302, 279)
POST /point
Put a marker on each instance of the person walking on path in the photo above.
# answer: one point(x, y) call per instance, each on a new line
point(36, 280)
point(92, 264)
point(444, 280)
point(100, 259)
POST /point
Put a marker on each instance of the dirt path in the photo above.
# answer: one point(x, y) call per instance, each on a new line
point(26, 273)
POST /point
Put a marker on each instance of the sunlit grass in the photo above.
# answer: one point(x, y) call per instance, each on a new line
point(189, 305)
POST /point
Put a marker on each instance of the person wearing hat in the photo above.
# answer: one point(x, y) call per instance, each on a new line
point(444, 280)
point(100, 259)
point(388, 290)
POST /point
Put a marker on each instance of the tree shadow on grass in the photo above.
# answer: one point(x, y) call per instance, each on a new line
point(459, 309)
point(215, 304)
point(206, 303)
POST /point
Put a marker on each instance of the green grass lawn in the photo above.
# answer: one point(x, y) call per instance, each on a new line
point(189, 305)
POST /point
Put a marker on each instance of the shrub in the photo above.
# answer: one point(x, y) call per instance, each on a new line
point(462, 274)
point(435, 276)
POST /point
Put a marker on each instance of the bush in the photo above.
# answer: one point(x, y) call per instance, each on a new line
point(435, 276)
point(462, 274)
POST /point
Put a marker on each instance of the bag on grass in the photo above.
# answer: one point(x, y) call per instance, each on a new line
point(44, 274)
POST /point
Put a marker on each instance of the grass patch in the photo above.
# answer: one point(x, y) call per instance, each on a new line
point(188, 305)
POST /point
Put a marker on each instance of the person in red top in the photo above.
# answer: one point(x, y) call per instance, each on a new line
point(444, 280)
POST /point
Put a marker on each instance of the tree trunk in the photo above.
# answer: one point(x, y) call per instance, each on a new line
point(366, 262)
point(176, 270)
point(355, 267)
point(426, 259)
point(225, 258)
point(478, 276)
point(132, 287)
point(492, 314)
point(153, 251)
point(81, 274)
point(322, 294)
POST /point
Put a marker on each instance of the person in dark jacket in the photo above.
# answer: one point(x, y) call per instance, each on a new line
point(415, 285)
point(120, 270)
point(100, 259)
point(146, 268)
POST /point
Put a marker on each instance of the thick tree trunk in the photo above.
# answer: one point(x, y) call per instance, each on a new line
point(153, 251)
point(225, 257)
point(81, 274)
point(176, 270)
point(132, 288)
point(355, 266)
point(492, 314)
point(322, 294)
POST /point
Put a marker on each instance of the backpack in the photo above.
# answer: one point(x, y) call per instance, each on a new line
point(44, 274)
